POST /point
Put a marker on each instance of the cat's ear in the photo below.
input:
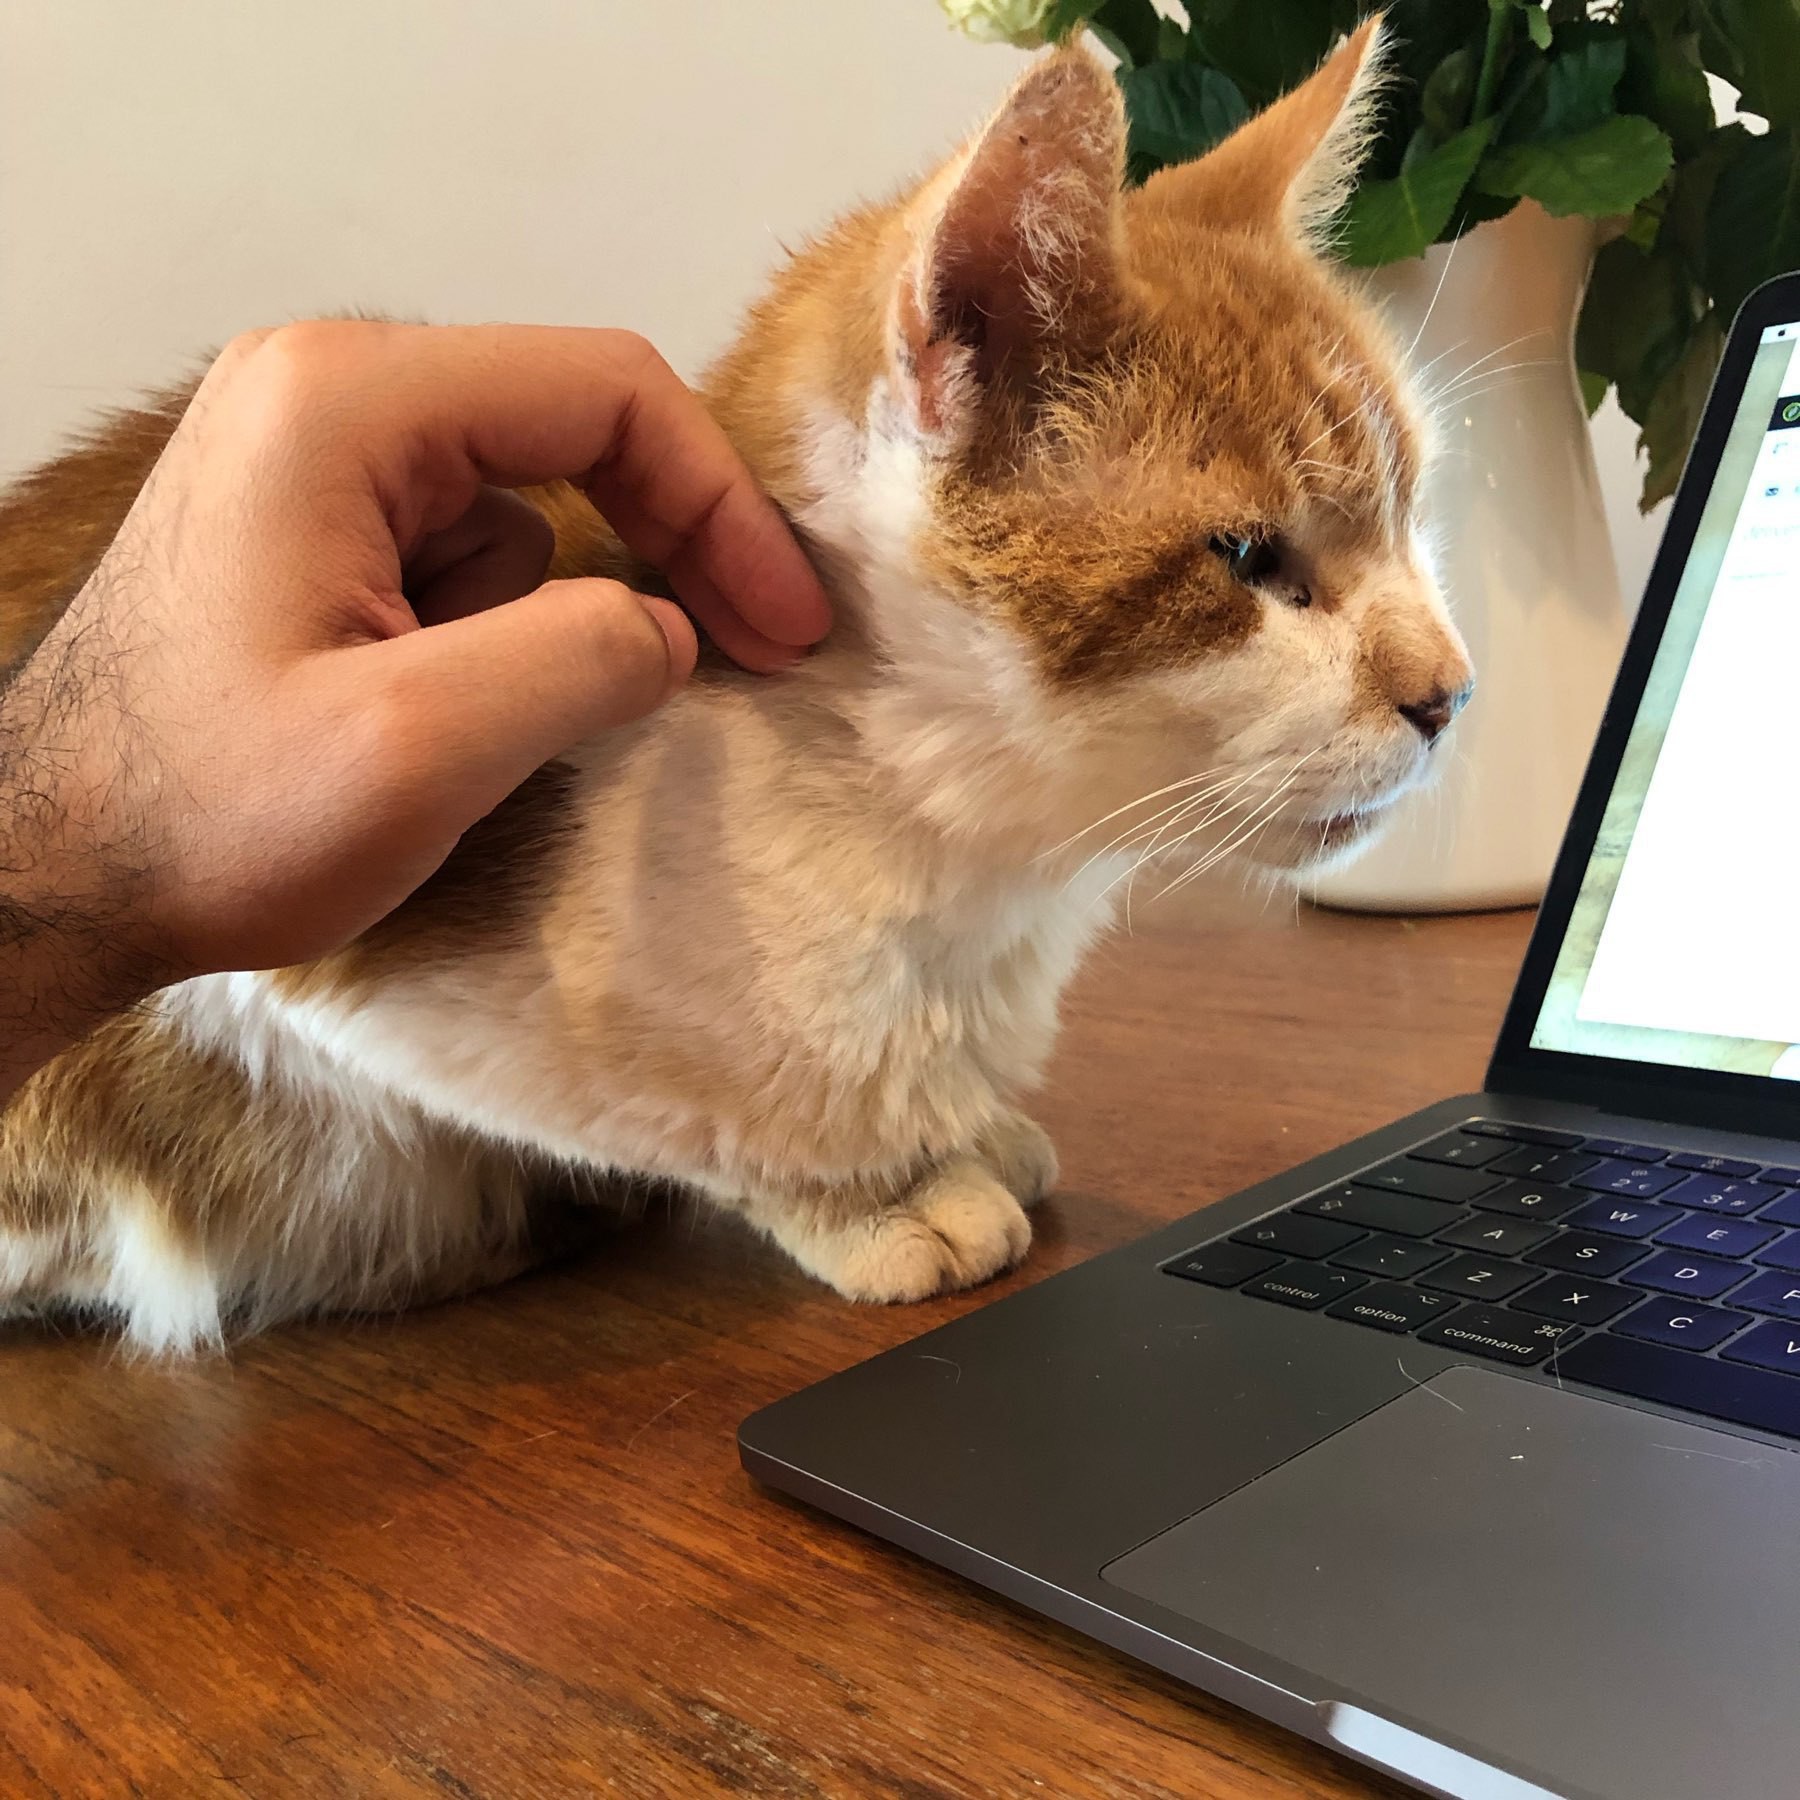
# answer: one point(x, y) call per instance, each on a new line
point(1296, 161)
point(1013, 259)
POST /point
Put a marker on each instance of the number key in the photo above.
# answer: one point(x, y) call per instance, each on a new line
point(1461, 1148)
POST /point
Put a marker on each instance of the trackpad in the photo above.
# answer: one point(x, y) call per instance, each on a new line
point(1605, 1601)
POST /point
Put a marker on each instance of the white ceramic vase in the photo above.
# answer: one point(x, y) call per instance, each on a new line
point(1525, 560)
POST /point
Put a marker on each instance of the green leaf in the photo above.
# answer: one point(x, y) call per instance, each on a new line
point(1687, 214)
point(1420, 33)
point(1579, 85)
point(1594, 389)
point(1518, 103)
point(1666, 82)
point(1755, 45)
point(1605, 170)
point(1266, 49)
point(1132, 26)
point(1066, 17)
point(1449, 91)
point(1177, 110)
point(1675, 409)
point(1636, 316)
point(1753, 218)
point(1387, 221)
point(1537, 26)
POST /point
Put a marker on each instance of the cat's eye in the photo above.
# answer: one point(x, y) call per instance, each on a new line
point(1258, 562)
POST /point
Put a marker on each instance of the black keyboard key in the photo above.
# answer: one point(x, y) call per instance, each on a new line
point(1710, 1194)
point(1304, 1284)
point(1622, 1150)
point(1716, 1237)
point(1784, 1253)
point(1586, 1253)
point(1640, 1182)
point(1390, 1307)
point(1294, 1234)
point(1496, 1235)
point(1529, 1200)
point(1395, 1257)
point(1712, 1165)
point(1523, 1134)
point(1769, 1346)
point(1478, 1277)
point(1575, 1301)
point(1492, 1331)
point(1401, 1214)
point(1461, 1148)
point(1719, 1390)
point(1221, 1265)
point(1782, 1177)
point(1619, 1218)
point(1666, 1320)
point(1533, 1164)
point(1430, 1181)
point(1777, 1293)
point(1785, 1211)
point(1676, 1272)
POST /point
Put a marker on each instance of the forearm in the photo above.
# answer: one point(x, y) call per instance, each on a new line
point(51, 996)
point(73, 945)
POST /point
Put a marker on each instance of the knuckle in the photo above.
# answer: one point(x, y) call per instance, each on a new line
point(314, 353)
point(635, 353)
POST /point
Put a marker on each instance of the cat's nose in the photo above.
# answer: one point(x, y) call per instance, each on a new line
point(1430, 715)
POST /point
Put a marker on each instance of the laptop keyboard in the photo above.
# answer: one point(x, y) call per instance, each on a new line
point(1658, 1273)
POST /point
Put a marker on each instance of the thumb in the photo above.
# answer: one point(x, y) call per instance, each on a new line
point(490, 697)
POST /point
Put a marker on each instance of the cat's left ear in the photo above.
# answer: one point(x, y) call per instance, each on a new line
point(1295, 162)
point(1014, 259)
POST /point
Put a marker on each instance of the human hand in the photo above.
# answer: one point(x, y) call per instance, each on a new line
point(291, 683)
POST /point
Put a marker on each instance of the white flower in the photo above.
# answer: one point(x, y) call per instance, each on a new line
point(1018, 22)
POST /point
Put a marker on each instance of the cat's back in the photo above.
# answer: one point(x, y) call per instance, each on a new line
point(56, 521)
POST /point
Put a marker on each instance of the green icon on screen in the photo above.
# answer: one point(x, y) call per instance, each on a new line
point(1790, 413)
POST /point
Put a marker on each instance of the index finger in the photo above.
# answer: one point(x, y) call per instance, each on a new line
point(517, 404)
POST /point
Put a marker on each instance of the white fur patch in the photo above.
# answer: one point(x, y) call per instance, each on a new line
point(167, 1296)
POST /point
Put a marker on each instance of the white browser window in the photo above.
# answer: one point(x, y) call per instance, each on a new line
point(1703, 932)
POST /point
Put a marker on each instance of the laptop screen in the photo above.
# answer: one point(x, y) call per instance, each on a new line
point(1683, 947)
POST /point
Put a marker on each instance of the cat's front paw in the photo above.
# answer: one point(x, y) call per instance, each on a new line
point(1019, 1151)
point(958, 1227)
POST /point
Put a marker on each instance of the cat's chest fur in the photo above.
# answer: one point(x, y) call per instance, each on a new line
point(735, 953)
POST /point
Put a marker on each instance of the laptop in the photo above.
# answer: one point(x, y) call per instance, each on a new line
point(1473, 1448)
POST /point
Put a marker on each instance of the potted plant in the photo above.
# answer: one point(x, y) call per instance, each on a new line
point(1550, 211)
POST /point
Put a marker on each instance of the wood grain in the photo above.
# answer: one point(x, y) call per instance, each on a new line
point(503, 1548)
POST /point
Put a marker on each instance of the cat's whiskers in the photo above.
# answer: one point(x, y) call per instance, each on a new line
point(1491, 383)
point(1434, 392)
point(1106, 818)
point(1221, 809)
point(1123, 842)
point(1436, 293)
point(1238, 833)
point(1259, 820)
point(1222, 805)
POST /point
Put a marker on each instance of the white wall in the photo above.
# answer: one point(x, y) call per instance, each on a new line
point(171, 173)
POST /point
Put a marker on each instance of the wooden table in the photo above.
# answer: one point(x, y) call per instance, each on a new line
point(504, 1548)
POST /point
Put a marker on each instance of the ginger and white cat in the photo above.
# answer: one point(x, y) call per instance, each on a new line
point(1115, 493)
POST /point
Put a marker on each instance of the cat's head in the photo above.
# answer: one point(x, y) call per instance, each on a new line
point(1121, 487)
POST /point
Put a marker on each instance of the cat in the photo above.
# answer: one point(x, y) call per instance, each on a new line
point(1116, 493)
